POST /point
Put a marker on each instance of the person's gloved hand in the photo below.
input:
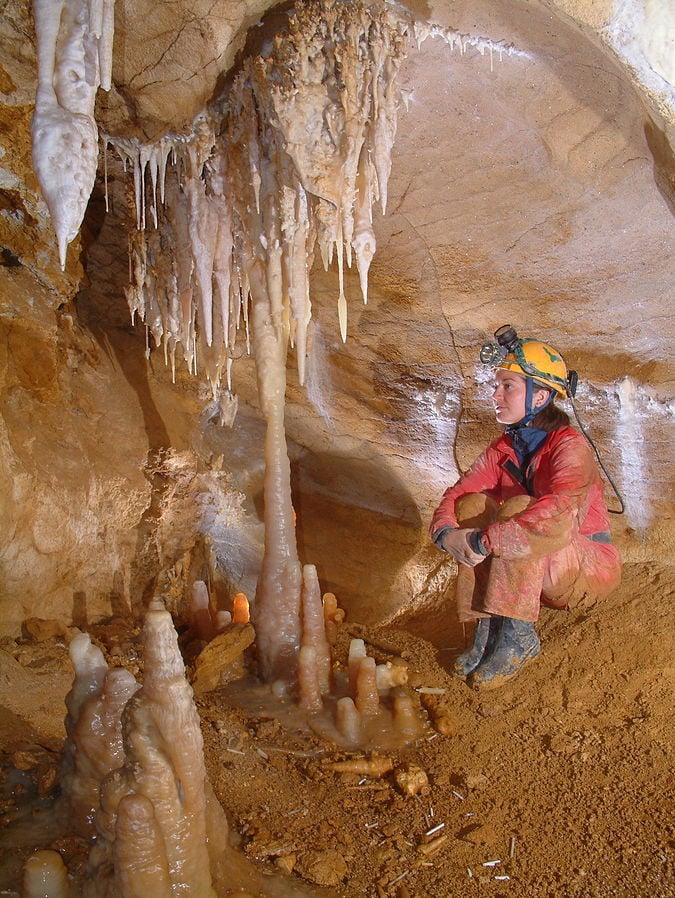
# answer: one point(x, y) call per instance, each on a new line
point(456, 543)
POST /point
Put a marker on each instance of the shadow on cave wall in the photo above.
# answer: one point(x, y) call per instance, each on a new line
point(102, 310)
point(358, 524)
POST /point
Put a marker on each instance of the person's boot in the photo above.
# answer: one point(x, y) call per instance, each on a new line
point(516, 644)
point(484, 636)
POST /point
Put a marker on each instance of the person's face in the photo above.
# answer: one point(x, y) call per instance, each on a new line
point(508, 397)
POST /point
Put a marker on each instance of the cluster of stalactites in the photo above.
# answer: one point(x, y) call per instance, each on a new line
point(294, 157)
point(74, 58)
point(465, 42)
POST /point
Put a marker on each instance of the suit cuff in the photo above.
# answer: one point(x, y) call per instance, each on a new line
point(438, 537)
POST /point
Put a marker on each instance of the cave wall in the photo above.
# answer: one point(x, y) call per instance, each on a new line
point(534, 189)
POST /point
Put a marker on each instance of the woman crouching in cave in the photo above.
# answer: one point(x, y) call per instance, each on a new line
point(527, 523)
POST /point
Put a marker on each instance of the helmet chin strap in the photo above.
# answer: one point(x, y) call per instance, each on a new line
point(531, 412)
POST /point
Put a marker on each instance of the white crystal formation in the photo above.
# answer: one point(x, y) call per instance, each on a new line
point(74, 57)
point(291, 160)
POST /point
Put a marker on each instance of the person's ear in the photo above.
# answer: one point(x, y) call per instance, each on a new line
point(540, 398)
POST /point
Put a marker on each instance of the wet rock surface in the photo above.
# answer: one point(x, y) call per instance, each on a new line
point(535, 189)
point(572, 765)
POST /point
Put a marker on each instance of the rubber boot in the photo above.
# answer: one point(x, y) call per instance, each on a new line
point(484, 636)
point(516, 644)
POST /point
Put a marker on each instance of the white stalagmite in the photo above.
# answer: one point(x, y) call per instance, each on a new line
point(357, 652)
point(405, 719)
point(45, 874)
point(367, 699)
point(155, 806)
point(289, 159)
point(314, 628)
point(74, 54)
point(95, 747)
point(308, 681)
point(348, 720)
point(94, 735)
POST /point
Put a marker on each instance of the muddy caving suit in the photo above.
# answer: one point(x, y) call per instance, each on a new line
point(546, 529)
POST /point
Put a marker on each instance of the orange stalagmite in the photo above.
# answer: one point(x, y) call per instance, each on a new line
point(240, 609)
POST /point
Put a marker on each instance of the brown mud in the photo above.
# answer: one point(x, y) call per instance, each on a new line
point(557, 785)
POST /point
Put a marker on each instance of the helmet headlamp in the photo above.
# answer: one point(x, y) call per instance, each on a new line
point(507, 341)
point(523, 356)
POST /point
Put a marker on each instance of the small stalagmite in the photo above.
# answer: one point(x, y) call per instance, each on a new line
point(348, 720)
point(240, 609)
point(201, 622)
point(308, 680)
point(333, 616)
point(367, 699)
point(314, 627)
point(45, 876)
point(357, 652)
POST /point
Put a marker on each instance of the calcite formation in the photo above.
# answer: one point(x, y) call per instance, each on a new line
point(74, 58)
point(133, 778)
point(289, 160)
point(133, 774)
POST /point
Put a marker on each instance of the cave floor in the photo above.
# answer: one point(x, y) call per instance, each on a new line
point(557, 784)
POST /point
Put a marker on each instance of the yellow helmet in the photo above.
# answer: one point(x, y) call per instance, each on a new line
point(541, 362)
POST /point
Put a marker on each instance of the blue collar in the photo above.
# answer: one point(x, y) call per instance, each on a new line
point(525, 441)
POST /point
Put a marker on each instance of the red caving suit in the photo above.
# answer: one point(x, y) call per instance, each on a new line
point(556, 552)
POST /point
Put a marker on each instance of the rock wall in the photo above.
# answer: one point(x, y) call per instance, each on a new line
point(535, 189)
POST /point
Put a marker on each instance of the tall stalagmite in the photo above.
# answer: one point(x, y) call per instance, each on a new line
point(292, 157)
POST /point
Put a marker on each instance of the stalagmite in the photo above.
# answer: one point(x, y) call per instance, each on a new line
point(94, 744)
point(313, 627)
point(223, 620)
point(200, 613)
point(240, 609)
point(138, 851)
point(308, 680)
point(45, 876)
point(153, 798)
point(357, 651)
point(405, 717)
point(90, 670)
point(367, 701)
point(348, 720)
point(388, 675)
point(332, 616)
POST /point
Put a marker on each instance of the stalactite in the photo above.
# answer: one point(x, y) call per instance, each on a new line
point(303, 150)
point(74, 54)
point(291, 157)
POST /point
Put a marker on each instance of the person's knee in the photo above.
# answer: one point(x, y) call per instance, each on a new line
point(475, 510)
point(513, 506)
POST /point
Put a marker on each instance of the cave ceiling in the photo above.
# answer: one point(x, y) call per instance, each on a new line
point(524, 187)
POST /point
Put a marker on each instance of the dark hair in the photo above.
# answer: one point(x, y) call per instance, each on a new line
point(550, 418)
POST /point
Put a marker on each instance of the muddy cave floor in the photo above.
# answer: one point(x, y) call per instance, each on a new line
point(562, 775)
